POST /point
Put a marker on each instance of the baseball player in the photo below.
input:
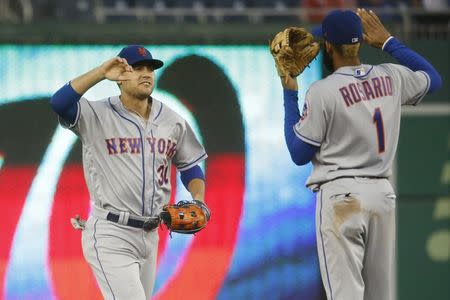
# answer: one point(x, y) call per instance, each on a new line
point(349, 129)
point(129, 144)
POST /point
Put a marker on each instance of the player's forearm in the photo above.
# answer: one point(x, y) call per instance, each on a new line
point(194, 181)
point(197, 189)
point(64, 101)
point(291, 117)
point(289, 83)
point(414, 61)
point(301, 152)
point(83, 83)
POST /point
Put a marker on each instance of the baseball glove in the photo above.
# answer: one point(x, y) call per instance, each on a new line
point(186, 216)
point(293, 50)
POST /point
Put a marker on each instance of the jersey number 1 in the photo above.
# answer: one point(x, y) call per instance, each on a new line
point(378, 121)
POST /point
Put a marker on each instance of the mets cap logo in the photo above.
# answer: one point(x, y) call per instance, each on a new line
point(142, 51)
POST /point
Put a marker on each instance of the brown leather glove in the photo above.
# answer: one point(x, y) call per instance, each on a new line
point(186, 216)
point(293, 50)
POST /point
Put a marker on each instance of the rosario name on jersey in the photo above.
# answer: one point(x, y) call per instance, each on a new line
point(353, 115)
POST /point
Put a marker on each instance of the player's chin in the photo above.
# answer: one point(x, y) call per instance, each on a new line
point(144, 92)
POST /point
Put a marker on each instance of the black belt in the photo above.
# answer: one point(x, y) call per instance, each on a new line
point(147, 225)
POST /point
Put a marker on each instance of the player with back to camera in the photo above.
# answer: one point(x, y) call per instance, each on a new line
point(349, 129)
point(129, 143)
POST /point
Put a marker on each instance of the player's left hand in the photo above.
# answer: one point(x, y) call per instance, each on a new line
point(289, 83)
point(375, 34)
point(186, 216)
point(293, 49)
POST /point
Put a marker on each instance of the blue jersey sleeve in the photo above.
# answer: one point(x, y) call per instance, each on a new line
point(409, 58)
point(191, 173)
point(300, 151)
point(64, 103)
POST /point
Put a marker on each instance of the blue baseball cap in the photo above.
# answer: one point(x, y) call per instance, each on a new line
point(136, 53)
point(341, 27)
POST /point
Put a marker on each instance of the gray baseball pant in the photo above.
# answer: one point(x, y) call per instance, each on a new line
point(122, 258)
point(356, 229)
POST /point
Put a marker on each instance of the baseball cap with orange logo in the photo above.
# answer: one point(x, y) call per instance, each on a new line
point(137, 54)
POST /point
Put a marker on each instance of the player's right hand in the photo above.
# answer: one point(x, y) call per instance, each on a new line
point(78, 223)
point(375, 34)
point(116, 69)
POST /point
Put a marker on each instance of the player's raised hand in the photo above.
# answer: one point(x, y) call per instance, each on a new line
point(375, 34)
point(116, 69)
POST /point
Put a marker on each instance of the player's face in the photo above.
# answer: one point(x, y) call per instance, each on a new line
point(142, 81)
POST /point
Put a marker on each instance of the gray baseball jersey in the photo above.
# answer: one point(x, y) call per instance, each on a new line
point(353, 115)
point(127, 161)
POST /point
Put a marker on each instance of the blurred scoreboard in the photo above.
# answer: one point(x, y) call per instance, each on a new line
point(260, 243)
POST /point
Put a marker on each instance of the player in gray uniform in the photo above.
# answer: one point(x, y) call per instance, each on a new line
point(129, 144)
point(349, 129)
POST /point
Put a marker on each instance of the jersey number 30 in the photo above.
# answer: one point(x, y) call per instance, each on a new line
point(378, 121)
point(163, 178)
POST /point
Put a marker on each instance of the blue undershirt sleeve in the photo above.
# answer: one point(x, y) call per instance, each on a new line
point(301, 152)
point(191, 173)
point(409, 58)
point(64, 103)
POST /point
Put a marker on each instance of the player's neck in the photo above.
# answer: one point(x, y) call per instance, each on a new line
point(346, 62)
point(140, 107)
